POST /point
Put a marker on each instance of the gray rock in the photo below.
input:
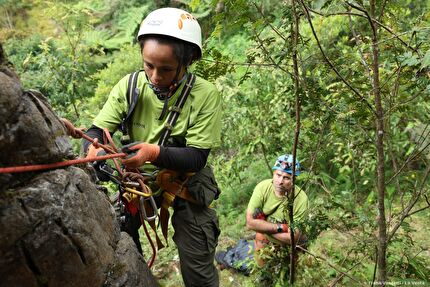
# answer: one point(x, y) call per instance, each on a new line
point(122, 272)
point(57, 229)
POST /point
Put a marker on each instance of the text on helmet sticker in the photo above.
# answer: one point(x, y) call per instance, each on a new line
point(155, 22)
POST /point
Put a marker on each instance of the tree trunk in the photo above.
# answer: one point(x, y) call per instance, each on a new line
point(295, 36)
point(382, 225)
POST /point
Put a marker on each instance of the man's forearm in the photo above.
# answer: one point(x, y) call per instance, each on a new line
point(285, 237)
point(263, 226)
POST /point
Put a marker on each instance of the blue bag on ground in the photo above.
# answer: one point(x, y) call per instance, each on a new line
point(239, 257)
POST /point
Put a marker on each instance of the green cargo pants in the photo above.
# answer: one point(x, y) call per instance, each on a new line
point(196, 237)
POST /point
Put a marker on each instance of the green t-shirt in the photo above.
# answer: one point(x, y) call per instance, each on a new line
point(274, 207)
point(199, 122)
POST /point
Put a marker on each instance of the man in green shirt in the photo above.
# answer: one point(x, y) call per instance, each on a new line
point(267, 212)
point(170, 41)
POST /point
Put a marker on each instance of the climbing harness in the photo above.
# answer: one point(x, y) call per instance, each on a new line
point(135, 196)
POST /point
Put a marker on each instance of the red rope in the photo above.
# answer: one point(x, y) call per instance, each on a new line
point(27, 168)
point(154, 250)
point(75, 133)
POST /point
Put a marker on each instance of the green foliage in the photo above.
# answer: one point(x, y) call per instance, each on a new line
point(124, 61)
point(76, 51)
point(237, 192)
point(408, 263)
point(126, 17)
point(275, 271)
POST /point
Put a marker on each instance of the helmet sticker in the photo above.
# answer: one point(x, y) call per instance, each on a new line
point(283, 164)
point(184, 16)
point(188, 16)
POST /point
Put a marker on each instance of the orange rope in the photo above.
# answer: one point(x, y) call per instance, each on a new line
point(27, 168)
point(154, 250)
point(75, 133)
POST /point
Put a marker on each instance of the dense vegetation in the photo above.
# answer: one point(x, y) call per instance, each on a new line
point(350, 80)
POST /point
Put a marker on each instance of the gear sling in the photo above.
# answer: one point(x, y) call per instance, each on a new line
point(169, 181)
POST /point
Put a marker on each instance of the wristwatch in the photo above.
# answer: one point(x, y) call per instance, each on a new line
point(279, 228)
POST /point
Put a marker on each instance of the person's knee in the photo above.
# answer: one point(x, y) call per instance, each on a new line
point(199, 273)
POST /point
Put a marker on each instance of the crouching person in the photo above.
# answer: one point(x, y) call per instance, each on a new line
point(267, 212)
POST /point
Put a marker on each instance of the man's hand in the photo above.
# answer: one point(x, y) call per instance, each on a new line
point(93, 150)
point(258, 214)
point(139, 153)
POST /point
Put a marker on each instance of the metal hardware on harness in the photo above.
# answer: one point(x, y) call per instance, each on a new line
point(152, 205)
point(134, 191)
point(131, 183)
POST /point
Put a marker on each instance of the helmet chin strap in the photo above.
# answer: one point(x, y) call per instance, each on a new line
point(164, 93)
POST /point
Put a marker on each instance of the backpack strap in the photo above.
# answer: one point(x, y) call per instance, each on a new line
point(175, 110)
point(132, 98)
point(132, 95)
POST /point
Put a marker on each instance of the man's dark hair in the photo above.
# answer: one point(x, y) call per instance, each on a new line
point(185, 53)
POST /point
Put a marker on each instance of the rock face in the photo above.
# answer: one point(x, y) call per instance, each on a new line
point(57, 229)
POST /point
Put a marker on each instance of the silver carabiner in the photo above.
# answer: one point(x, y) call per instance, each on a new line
point(143, 210)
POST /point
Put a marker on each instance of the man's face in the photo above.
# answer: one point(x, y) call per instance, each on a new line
point(282, 181)
point(159, 63)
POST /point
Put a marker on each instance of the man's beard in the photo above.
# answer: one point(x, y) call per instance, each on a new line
point(283, 190)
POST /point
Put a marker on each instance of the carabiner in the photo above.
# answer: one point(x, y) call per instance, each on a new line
point(152, 205)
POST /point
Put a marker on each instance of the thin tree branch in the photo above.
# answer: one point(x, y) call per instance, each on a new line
point(268, 23)
point(383, 26)
point(386, 28)
point(263, 148)
point(240, 63)
point(419, 210)
point(336, 280)
point(409, 100)
point(406, 162)
point(331, 64)
point(363, 61)
point(267, 54)
point(331, 265)
point(291, 196)
point(407, 211)
point(384, 4)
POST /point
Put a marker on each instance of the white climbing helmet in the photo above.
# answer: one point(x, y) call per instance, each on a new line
point(172, 22)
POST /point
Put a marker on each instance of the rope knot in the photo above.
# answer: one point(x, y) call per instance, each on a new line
point(71, 130)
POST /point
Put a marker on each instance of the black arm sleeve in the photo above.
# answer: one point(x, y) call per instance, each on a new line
point(182, 158)
point(175, 158)
point(93, 132)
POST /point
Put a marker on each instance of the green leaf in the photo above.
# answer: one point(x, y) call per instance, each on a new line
point(409, 59)
point(426, 60)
